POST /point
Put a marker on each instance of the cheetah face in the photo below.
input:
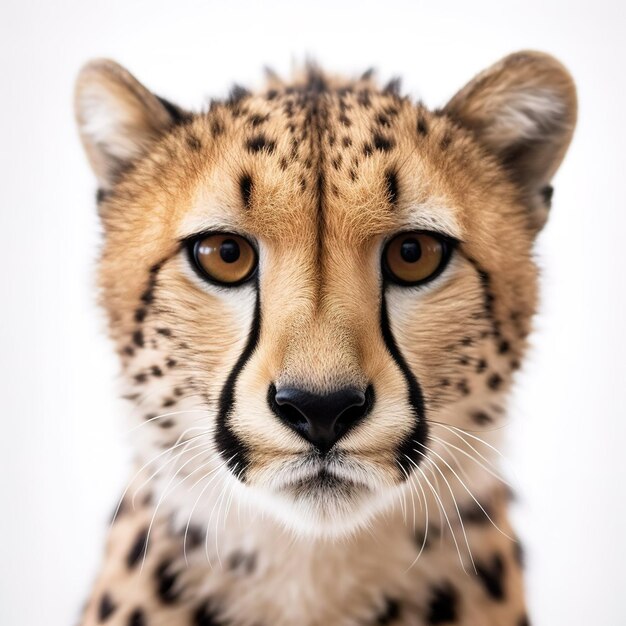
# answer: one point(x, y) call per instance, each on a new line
point(313, 289)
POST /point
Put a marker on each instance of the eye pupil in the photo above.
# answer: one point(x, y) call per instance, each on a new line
point(411, 251)
point(230, 251)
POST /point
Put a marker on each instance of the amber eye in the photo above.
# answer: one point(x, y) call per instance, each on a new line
point(414, 258)
point(224, 258)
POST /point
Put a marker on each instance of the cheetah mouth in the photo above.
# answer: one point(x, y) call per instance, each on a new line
point(324, 481)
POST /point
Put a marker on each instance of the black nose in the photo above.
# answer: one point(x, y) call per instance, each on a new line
point(321, 418)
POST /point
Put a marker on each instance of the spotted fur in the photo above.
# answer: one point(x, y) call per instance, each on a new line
point(233, 519)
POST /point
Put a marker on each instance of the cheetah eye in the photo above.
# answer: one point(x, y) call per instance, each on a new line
point(223, 258)
point(414, 258)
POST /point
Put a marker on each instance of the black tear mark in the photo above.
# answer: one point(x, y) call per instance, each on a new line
point(232, 449)
point(492, 577)
point(260, 143)
point(391, 182)
point(442, 607)
point(407, 456)
point(245, 187)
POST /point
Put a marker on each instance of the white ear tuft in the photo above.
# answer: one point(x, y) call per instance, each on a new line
point(118, 118)
point(523, 109)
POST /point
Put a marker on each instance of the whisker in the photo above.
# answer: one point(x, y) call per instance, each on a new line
point(456, 506)
point(468, 491)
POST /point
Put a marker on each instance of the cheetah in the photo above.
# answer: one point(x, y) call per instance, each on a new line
point(319, 293)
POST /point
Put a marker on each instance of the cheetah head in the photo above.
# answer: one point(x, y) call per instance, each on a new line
point(316, 288)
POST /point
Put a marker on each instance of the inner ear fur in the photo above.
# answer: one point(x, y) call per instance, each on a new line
point(118, 118)
point(523, 110)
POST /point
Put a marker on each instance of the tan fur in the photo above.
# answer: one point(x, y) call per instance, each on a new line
point(320, 153)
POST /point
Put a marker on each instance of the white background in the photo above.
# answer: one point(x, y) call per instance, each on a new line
point(62, 446)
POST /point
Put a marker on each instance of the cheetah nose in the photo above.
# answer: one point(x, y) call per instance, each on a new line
point(322, 419)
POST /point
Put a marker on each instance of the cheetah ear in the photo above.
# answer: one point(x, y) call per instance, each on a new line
point(523, 109)
point(118, 118)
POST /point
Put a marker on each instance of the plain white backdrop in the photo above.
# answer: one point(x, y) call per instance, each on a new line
point(63, 452)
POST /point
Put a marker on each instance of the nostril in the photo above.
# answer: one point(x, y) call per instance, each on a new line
point(351, 415)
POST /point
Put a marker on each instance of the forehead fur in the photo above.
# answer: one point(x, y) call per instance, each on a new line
point(319, 154)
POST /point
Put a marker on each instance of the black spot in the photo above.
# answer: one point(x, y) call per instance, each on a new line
point(368, 149)
point(245, 187)
point(345, 120)
point(382, 143)
point(473, 513)
point(257, 120)
point(170, 362)
point(260, 143)
point(442, 607)
point(101, 195)
point(444, 382)
point(137, 618)
point(140, 315)
point(504, 346)
point(217, 128)
point(241, 561)
point(138, 549)
point(336, 162)
point(166, 332)
point(283, 164)
point(390, 613)
point(156, 371)
point(138, 338)
point(391, 182)
point(481, 366)
point(382, 119)
point(422, 126)
point(178, 392)
point(492, 577)
point(481, 418)
point(271, 94)
point(141, 378)
point(463, 387)
point(494, 381)
point(464, 360)
point(346, 142)
point(444, 144)
point(106, 608)
point(168, 402)
point(128, 350)
point(194, 143)
point(205, 616)
point(467, 341)
point(165, 582)
point(363, 98)
point(546, 194)
point(166, 423)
